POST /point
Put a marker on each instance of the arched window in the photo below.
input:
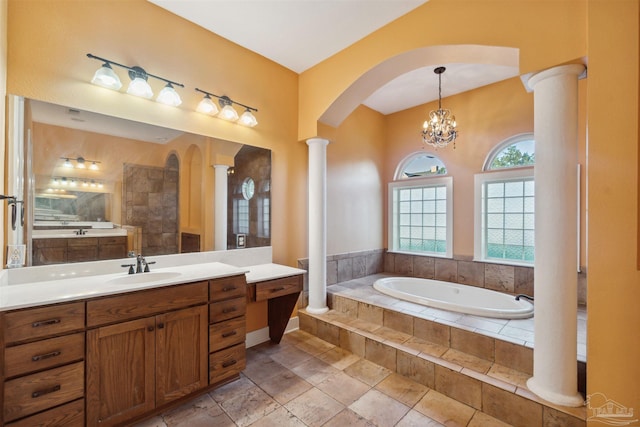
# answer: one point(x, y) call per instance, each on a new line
point(504, 210)
point(517, 151)
point(420, 165)
point(421, 207)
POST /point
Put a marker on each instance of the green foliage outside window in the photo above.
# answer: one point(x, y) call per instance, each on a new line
point(513, 157)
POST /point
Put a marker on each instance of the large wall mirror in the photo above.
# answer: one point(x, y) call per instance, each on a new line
point(98, 187)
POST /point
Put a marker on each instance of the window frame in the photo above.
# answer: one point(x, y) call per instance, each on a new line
point(434, 181)
point(499, 148)
point(480, 179)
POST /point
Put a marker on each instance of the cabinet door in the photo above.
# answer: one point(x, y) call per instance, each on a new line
point(120, 371)
point(182, 351)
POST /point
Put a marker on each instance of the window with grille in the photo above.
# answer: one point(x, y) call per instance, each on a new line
point(505, 203)
point(240, 216)
point(420, 217)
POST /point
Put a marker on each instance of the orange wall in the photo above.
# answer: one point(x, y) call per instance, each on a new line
point(355, 185)
point(46, 60)
point(613, 343)
point(508, 23)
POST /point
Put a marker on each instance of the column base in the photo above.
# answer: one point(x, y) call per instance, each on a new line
point(573, 401)
point(320, 310)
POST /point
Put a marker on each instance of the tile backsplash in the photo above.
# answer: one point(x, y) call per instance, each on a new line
point(498, 277)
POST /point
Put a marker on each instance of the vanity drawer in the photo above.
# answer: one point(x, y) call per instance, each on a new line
point(278, 287)
point(27, 395)
point(144, 303)
point(81, 242)
point(228, 333)
point(227, 363)
point(40, 322)
point(68, 415)
point(228, 287)
point(39, 355)
point(228, 309)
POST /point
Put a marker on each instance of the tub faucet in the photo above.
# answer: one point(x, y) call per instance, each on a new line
point(527, 297)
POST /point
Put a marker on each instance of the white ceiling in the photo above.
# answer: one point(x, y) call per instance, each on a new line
point(299, 34)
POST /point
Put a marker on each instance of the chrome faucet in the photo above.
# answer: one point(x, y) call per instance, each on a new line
point(140, 261)
point(81, 232)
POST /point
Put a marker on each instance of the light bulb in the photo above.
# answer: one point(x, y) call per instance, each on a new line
point(140, 87)
point(228, 113)
point(169, 96)
point(106, 77)
point(248, 119)
point(67, 164)
point(206, 106)
point(93, 166)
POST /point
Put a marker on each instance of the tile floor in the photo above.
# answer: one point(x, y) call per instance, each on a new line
point(305, 381)
point(519, 331)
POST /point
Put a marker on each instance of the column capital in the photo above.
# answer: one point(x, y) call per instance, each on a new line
point(571, 69)
point(322, 141)
point(223, 167)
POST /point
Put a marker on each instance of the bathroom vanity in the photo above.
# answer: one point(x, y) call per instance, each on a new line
point(107, 349)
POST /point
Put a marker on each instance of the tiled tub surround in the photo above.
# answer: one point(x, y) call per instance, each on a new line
point(463, 357)
point(498, 277)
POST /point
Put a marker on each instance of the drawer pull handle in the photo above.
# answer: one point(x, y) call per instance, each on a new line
point(45, 323)
point(229, 363)
point(39, 393)
point(281, 288)
point(229, 334)
point(229, 310)
point(39, 357)
point(229, 288)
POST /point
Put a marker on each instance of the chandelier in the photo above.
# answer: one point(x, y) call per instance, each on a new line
point(440, 129)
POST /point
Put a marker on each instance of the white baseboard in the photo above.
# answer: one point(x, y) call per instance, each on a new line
point(262, 335)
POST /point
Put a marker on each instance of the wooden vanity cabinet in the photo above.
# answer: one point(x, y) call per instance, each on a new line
point(135, 366)
point(43, 365)
point(227, 328)
point(78, 249)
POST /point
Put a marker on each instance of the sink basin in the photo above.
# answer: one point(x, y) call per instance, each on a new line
point(132, 279)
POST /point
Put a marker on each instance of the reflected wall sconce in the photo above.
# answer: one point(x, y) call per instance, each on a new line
point(81, 163)
point(227, 112)
point(106, 77)
point(60, 182)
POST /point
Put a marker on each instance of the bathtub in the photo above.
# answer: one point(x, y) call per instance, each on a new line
point(455, 297)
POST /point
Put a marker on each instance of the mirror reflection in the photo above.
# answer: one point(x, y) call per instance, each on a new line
point(104, 187)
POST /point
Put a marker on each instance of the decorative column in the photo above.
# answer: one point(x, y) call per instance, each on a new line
point(556, 219)
point(220, 208)
point(317, 225)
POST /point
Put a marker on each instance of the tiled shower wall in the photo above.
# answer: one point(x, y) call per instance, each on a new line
point(499, 277)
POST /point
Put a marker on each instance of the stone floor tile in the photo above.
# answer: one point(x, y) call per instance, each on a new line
point(281, 418)
point(445, 410)
point(339, 358)
point(508, 375)
point(285, 386)
point(480, 419)
point(263, 369)
point(416, 419)
point(152, 422)
point(314, 370)
point(291, 356)
point(402, 389)
point(426, 347)
point(367, 372)
point(314, 408)
point(348, 418)
point(467, 360)
point(379, 408)
point(344, 388)
point(314, 346)
point(247, 407)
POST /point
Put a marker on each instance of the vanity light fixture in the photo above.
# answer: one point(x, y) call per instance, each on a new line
point(106, 77)
point(81, 163)
point(227, 112)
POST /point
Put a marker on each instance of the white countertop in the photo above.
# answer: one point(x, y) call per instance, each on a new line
point(49, 285)
point(270, 271)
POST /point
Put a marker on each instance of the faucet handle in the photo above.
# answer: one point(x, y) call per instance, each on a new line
point(131, 270)
point(146, 265)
